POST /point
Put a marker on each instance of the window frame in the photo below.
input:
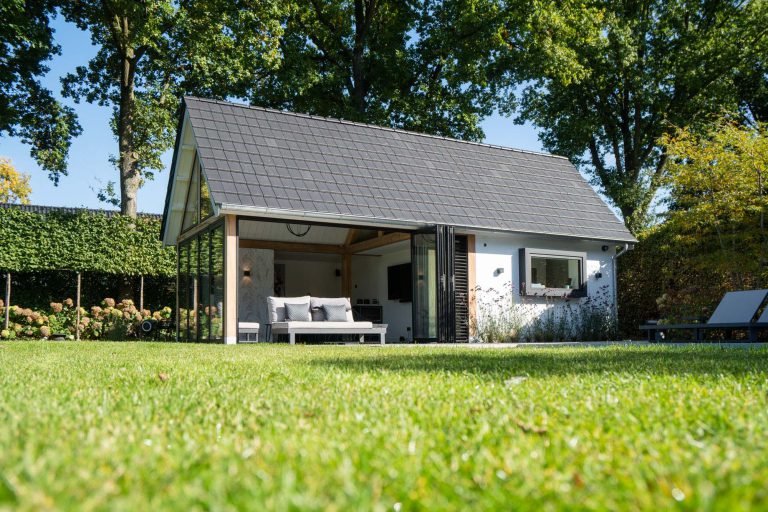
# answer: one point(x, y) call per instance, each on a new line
point(525, 273)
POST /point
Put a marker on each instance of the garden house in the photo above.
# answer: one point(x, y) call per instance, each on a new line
point(413, 228)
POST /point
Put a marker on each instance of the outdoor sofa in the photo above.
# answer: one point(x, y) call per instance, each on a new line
point(317, 315)
point(737, 311)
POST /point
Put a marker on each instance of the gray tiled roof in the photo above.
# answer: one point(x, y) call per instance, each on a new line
point(256, 157)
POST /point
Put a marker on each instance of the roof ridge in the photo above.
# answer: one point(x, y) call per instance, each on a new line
point(375, 126)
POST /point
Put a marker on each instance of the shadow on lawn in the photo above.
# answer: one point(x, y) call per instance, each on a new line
point(537, 362)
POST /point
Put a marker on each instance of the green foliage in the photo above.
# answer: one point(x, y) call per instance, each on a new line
point(14, 185)
point(27, 109)
point(717, 181)
point(605, 81)
point(165, 426)
point(84, 241)
point(152, 53)
point(410, 65)
point(713, 239)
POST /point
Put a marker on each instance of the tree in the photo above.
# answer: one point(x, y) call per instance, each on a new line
point(713, 237)
point(717, 191)
point(403, 64)
point(27, 109)
point(154, 51)
point(14, 186)
point(605, 81)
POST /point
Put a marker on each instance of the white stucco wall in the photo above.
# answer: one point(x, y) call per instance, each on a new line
point(501, 251)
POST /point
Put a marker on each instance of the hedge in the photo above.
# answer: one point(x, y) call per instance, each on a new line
point(84, 241)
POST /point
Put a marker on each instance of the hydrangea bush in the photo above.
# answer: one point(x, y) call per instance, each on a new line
point(110, 320)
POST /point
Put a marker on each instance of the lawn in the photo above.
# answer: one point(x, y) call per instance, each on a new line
point(126, 426)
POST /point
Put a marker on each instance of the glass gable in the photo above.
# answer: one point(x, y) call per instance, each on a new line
point(198, 206)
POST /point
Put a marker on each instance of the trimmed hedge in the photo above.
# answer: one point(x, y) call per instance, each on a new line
point(84, 241)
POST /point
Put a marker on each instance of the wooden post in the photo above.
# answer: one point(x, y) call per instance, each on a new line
point(346, 275)
point(230, 279)
point(141, 292)
point(77, 305)
point(7, 299)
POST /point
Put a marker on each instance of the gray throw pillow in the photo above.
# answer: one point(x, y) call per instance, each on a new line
point(335, 313)
point(298, 312)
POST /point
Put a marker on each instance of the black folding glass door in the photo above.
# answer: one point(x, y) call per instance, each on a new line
point(432, 258)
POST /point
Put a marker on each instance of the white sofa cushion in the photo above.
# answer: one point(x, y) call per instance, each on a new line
point(316, 305)
point(277, 306)
point(330, 326)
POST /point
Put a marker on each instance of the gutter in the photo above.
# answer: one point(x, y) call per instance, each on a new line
point(614, 269)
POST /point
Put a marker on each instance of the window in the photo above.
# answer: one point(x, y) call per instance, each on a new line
point(201, 285)
point(552, 273)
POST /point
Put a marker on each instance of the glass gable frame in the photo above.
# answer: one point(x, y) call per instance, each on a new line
point(200, 286)
point(198, 204)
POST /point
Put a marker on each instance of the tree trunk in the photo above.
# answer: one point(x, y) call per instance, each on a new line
point(130, 178)
point(128, 161)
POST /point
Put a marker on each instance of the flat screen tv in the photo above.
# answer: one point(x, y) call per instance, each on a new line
point(399, 283)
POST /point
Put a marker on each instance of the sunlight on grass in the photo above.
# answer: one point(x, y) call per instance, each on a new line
point(144, 426)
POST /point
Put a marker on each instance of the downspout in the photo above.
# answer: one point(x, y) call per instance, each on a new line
point(614, 268)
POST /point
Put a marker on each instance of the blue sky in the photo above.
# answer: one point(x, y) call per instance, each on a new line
point(89, 166)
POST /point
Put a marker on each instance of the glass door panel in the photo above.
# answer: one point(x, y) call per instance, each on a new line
point(183, 280)
point(204, 288)
point(217, 282)
point(424, 262)
point(446, 298)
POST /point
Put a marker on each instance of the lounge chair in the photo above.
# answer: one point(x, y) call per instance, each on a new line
point(736, 311)
point(316, 322)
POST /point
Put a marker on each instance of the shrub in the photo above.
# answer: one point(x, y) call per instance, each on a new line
point(542, 319)
point(110, 320)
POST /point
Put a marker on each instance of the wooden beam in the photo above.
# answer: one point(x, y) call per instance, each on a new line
point(350, 236)
point(373, 243)
point(472, 280)
point(292, 246)
point(346, 275)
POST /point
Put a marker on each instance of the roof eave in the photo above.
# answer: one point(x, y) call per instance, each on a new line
point(404, 224)
point(172, 174)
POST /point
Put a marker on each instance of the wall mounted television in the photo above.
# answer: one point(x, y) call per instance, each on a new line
point(399, 286)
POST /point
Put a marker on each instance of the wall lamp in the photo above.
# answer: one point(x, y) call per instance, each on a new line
point(247, 272)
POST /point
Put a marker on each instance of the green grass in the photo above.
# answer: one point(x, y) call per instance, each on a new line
point(92, 426)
